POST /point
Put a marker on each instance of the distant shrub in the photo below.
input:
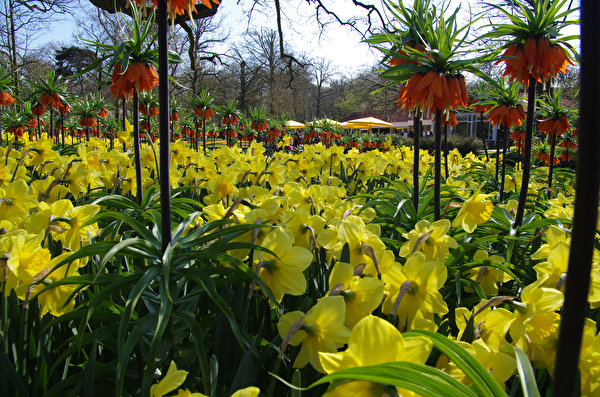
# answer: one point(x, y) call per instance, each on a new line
point(464, 145)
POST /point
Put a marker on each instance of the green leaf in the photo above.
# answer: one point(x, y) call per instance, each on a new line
point(526, 374)
point(416, 377)
point(480, 376)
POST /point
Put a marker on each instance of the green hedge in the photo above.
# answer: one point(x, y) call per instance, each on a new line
point(464, 145)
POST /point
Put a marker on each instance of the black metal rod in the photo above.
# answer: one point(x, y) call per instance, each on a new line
point(437, 168)
point(526, 153)
point(587, 186)
point(136, 148)
point(417, 157)
point(163, 124)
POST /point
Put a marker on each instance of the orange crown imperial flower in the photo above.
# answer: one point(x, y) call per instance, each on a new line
point(88, 121)
point(537, 58)
point(508, 116)
point(233, 120)
point(555, 126)
point(138, 76)
point(103, 113)
point(434, 91)
point(38, 109)
point(6, 98)
point(478, 108)
point(52, 100)
point(178, 7)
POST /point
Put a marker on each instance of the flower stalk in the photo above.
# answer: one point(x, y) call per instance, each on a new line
point(163, 117)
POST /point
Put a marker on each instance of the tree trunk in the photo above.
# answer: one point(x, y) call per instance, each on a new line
point(243, 86)
point(13, 44)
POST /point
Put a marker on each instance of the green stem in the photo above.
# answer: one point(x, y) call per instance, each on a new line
point(437, 166)
point(526, 154)
point(136, 148)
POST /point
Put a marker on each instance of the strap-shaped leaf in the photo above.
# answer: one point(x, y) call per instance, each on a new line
point(416, 377)
point(526, 374)
point(464, 360)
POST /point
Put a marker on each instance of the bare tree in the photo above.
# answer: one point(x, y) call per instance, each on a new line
point(200, 41)
point(322, 72)
point(21, 22)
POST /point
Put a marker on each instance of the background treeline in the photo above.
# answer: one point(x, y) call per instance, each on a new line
point(249, 69)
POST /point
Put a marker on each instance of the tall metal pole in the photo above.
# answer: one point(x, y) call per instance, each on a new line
point(587, 186)
point(163, 124)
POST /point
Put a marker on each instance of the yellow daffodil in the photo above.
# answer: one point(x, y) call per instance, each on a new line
point(126, 136)
point(320, 330)
point(413, 290)
point(488, 277)
point(304, 227)
point(554, 235)
point(285, 141)
point(171, 381)
point(498, 363)
point(373, 341)
point(48, 189)
point(554, 271)
point(534, 327)
point(76, 234)
point(490, 324)
point(283, 274)
point(475, 211)
point(16, 202)
point(589, 360)
point(250, 391)
point(362, 295)
point(561, 207)
point(54, 300)
point(83, 179)
point(41, 151)
point(221, 186)
point(429, 238)
point(353, 231)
